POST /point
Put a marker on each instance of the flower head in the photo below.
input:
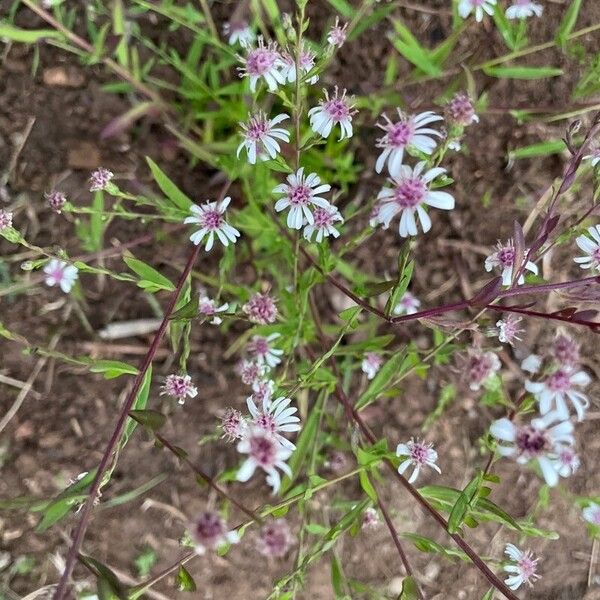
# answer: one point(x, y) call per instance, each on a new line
point(370, 518)
point(553, 392)
point(275, 539)
point(263, 62)
point(323, 225)
point(260, 137)
point(504, 260)
point(56, 200)
point(233, 424)
point(460, 110)
point(262, 390)
point(238, 32)
point(5, 219)
point(565, 350)
point(371, 364)
point(591, 247)
point(591, 513)
point(407, 305)
point(522, 9)
point(263, 352)
point(261, 309)
point(179, 387)
point(251, 372)
point(508, 329)
point(416, 454)
point(567, 461)
point(210, 217)
point(263, 451)
point(409, 193)
point(209, 531)
point(301, 196)
point(337, 34)
point(522, 567)
point(540, 441)
point(100, 179)
point(466, 7)
point(337, 110)
point(207, 307)
point(61, 273)
point(307, 63)
point(275, 417)
point(409, 132)
point(480, 367)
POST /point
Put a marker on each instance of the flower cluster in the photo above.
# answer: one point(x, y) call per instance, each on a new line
point(519, 9)
point(504, 259)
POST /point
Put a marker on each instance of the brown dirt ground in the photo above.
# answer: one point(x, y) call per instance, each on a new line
point(61, 431)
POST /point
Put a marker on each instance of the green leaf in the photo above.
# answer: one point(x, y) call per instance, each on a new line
point(540, 149)
point(27, 36)
point(152, 419)
point(568, 22)
point(410, 591)
point(412, 51)
point(150, 279)
point(188, 311)
point(171, 191)
point(185, 582)
point(367, 486)
point(463, 503)
point(380, 381)
point(109, 586)
point(489, 595)
point(522, 72)
point(337, 577)
point(139, 404)
point(342, 7)
point(112, 368)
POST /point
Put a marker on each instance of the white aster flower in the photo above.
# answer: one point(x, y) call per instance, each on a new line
point(539, 442)
point(238, 32)
point(323, 225)
point(523, 9)
point(591, 247)
point(508, 329)
point(504, 258)
point(409, 194)
point(337, 35)
point(263, 62)
point(209, 531)
point(307, 63)
point(416, 454)
point(207, 307)
point(567, 461)
point(61, 273)
point(409, 132)
point(371, 364)
point(553, 392)
point(260, 137)
point(276, 416)
point(301, 194)
point(466, 7)
point(266, 452)
point(591, 513)
point(337, 110)
point(522, 567)
point(210, 217)
point(263, 352)
point(480, 367)
point(407, 305)
point(179, 387)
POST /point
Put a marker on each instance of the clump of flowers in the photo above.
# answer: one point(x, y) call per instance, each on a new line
point(210, 218)
point(179, 387)
point(209, 532)
point(261, 309)
point(6, 219)
point(262, 350)
point(260, 137)
point(275, 539)
point(480, 367)
point(337, 110)
point(523, 9)
point(301, 196)
point(100, 179)
point(251, 372)
point(371, 364)
point(504, 259)
point(276, 416)
point(60, 273)
point(522, 567)
point(263, 62)
point(416, 454)
point(337, 34)
point(207, 307)
point(56, 200)
point(233, 424)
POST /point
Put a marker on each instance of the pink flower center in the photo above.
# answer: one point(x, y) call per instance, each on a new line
point(206, 307)
point(300, 195)
point(211, 219)
point(399, 134)
point(257, 128)
point(337, 109)
point(209, 527)
point(531, 442)
point(322, 218)
point(596, 254)
point(527, 566)
point(57, 273)
point(506, 256)
point(260, 61)
point(267, 422)
point(566, 350)
point(596, 517)
point(559, 381)
point(262, 450)
point(250, 373)
point(419, 453)
point(260, 346)
point(410, 192)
